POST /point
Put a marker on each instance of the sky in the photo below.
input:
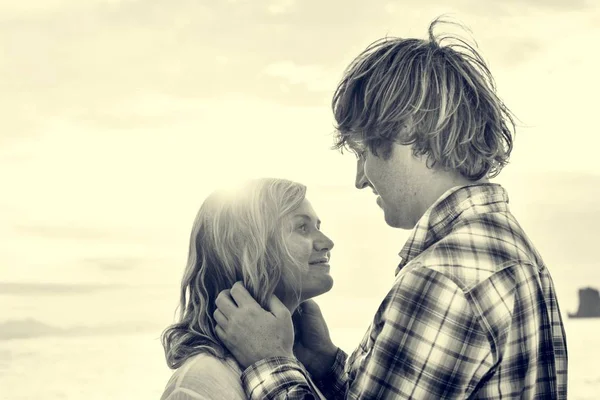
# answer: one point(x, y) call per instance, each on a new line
point(119, 117)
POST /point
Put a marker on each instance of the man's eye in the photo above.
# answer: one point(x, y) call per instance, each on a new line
point(359, 149)
point(360, 154)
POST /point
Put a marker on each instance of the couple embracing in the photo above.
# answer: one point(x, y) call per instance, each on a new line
point(471, 311)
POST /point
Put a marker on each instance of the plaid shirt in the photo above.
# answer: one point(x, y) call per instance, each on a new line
point(472, 314)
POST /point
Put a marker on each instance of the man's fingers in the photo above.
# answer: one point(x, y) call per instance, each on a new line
point(277, 308)
point(225, 303)
point(221, 334)
point(220, 318)
point(310, 307)
point(242, 297)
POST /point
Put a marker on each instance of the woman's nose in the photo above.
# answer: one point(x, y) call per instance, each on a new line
point(323, 242)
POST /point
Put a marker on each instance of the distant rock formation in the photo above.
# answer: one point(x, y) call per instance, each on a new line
point(589, 304)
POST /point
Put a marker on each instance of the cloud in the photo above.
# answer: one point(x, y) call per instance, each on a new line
point(56, 231)
point(552, 4)
point(40, 8)
point(114, 264)
point(52, 289)
point(313, 77)
point(281, 6)
point(512, 51)
point(502, 8)
point(130, 102)
point(69, 59)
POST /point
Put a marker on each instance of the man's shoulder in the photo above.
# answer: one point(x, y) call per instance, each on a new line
point(479, 247)
point(484, 295)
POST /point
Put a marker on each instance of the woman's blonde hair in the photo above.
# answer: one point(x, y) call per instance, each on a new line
point(238, 235)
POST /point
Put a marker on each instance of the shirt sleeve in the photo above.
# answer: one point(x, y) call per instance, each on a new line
point(286, 378)
point(333, 385)
point(427, 343)
point(279, 378)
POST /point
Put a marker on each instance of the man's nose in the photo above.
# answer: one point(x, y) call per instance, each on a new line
point(361, 180)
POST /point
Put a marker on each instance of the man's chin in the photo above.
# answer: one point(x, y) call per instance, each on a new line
point(396, 221)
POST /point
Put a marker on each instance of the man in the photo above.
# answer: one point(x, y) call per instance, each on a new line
point(472, 312)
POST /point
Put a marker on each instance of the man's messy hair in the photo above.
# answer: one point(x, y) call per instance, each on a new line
point(436, 95)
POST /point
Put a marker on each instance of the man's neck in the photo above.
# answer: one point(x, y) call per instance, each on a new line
point(440, 183)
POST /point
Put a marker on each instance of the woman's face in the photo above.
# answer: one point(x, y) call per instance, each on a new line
point(310, 248)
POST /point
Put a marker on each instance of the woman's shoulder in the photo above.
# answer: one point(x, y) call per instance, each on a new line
point(208, 377)
point(205, 362)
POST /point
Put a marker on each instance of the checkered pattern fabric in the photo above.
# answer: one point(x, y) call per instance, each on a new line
point(472, 314)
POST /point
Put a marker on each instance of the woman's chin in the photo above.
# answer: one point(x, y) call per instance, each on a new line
point(324, 285)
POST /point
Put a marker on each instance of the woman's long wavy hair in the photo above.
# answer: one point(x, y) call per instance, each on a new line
point(238, 235)
point(437, 95)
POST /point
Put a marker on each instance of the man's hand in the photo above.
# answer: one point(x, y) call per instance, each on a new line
point(248, 331)
point(313, 346)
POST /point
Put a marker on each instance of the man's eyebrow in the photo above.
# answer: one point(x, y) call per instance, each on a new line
point(307, 217)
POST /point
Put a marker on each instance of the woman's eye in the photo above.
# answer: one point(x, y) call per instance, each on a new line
point(303, 228)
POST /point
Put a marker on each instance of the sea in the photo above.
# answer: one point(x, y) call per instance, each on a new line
point(130, 367)
point(119, 366)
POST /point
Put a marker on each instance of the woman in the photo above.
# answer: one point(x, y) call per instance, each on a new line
point(265, 234)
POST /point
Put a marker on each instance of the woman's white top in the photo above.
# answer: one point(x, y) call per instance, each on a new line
point(205, 377)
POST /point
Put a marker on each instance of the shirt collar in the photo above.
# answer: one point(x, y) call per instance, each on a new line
point(444, 214)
